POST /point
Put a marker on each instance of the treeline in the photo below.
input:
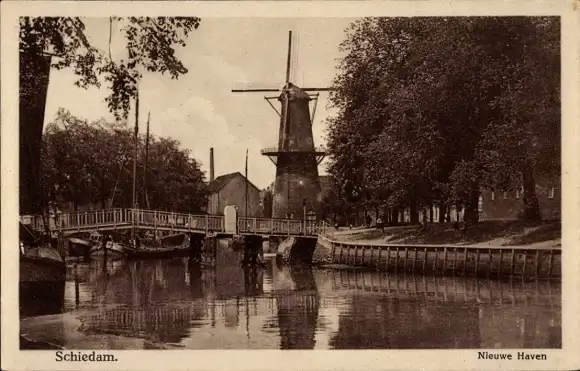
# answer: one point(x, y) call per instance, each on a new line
point(434, 110)
point(92, 164)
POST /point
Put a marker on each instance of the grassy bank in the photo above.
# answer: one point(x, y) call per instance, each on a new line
point(493, 233)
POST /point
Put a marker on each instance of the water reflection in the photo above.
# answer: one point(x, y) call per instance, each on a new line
point(41, 299)
point(298, 311)
point(178, 303)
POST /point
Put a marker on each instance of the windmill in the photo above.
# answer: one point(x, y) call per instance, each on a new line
point(296, 159)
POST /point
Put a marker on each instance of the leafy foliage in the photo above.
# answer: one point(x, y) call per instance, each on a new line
point(150, 44)
point(91, 163)
point(434, 109)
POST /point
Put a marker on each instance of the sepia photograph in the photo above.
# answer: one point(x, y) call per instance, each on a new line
point(203, 182)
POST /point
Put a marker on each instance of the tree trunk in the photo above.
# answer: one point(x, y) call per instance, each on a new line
point(413, 213)
point(443, 211)
point(431, 212)
point(471, 215)
point(34, 76)
point(532, 211)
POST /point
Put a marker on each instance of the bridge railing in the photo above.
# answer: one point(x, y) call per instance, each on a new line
point(279, 226)
point(96, 219)
point(177, 220)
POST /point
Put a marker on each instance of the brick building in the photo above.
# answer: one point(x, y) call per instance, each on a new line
point(230, 189)
point(498, 205)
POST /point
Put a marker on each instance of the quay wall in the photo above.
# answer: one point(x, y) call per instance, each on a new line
point(464, 260)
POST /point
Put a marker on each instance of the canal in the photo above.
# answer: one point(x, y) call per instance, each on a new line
point(172, 304)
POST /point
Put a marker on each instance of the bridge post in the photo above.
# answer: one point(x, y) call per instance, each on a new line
point(253, 248)
point(302, 250)
point(206, 224)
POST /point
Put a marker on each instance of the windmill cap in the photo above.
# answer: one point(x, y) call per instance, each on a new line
point(294, 92)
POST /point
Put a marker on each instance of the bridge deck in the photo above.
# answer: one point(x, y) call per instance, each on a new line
point(118, 219)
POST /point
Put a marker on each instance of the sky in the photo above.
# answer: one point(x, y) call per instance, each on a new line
point(199, 108)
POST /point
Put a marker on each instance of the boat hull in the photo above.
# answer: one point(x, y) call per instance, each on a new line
point(42, 282)
point(115, 252)
point(39, 269)
point(78, 248)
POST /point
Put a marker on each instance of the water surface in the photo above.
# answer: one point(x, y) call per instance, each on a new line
point(162, 304)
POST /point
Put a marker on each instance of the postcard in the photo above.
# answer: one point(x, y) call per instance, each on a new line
point(321, 185)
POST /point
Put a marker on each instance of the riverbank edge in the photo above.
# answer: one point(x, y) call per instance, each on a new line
point(323, 258)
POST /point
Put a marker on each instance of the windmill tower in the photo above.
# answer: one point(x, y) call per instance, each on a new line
point(296, 159)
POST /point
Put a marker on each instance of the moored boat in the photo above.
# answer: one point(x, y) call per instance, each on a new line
point(42, 280)
point(79, 247)
point(41, 264)
point(113, 250)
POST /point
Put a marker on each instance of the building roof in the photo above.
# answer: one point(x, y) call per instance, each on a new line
point(221, 181)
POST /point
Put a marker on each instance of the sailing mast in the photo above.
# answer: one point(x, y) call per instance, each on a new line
point(246, 215)
point(136, 148)
point(146, 195)
point(135, 145)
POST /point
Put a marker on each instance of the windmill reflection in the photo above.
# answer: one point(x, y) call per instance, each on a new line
point(298, 311)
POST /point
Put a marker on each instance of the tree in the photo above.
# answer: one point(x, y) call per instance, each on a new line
point(61, 42)
point(425, 105)
point(90, 163)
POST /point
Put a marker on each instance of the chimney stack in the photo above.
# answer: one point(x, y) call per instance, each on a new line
point(211, 169)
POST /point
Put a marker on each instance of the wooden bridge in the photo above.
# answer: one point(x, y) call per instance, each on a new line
point(119, 219)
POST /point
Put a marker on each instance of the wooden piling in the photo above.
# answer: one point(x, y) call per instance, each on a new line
point(435, 259)
point(489, 268)
point(550, 262)
point(500, 268)
point(513, 262)
point(525, 263)
point(537, 263)
point(332, 254)
point(495, 263)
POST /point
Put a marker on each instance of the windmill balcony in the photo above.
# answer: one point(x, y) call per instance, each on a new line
point(273, 151)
